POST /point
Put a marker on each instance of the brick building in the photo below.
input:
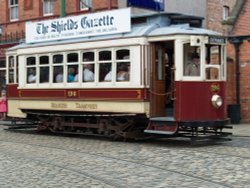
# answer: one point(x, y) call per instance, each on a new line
point(239, 67)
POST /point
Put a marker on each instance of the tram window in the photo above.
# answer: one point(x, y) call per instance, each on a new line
point(88, 56)
point(212, 73)
point(191, 60)
point(123, 71)
point(105, 72)
point(44, 69)
point(72, 57)
point(2, 80)
point(88, 67)
point(17, 65)
point(72, 73)
point(58, 74)
point(159, 66)
point(122, 54)
point(44, 75)
point(43, 60)
point(11, 69)
point(213, 62)
point(2, 63)
point(105, 55)
point(31, 75)
point(105, 67)
point(88, 72)
point(58, 58)
point(31, 61)
point(122, 65)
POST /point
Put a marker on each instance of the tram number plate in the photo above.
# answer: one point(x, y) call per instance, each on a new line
point(72, 94)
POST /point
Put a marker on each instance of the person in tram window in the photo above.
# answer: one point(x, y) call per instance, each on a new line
point(71, 74)
point(88, 75)
point(108, 76)
point(193, 67)
point(59, 75)
point(31, 75)
point(122, 74)
point(107, 72)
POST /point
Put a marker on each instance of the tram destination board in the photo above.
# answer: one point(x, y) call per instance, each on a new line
point(157, 5)
point(217, 40)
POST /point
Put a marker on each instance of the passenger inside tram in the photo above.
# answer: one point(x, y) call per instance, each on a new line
point(71, 74)
point(59, 74)
point(193, 67)
point(88, 74)
point(31, 75)
point(122, 72)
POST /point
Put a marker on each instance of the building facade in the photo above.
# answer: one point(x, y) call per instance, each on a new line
point(239, 65)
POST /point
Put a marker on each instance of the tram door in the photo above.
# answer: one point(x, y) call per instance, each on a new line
point(162, 79)
point(157, 91)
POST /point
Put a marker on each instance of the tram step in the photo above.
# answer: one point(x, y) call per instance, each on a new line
point(162, 125)
point(166, 119)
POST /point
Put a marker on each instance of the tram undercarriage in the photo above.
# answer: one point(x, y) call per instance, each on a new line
point(114, 126)
point(122, 126)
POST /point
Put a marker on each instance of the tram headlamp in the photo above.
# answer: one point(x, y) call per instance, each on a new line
point(216, 101)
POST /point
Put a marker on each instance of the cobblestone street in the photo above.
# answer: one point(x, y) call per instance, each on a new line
point(29, 159)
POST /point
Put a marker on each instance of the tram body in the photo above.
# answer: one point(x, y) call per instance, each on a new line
point(157, 98)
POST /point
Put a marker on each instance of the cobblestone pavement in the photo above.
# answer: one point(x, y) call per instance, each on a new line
point(28, 159)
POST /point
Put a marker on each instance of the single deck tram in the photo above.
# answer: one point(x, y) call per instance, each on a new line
point(160, 78)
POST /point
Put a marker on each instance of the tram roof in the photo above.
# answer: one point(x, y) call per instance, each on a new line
point(156, 25)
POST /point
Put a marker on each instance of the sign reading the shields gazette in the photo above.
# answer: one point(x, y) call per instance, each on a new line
point(103, 23)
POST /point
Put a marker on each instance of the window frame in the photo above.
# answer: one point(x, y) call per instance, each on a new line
point(85, 4)
point(225, 11)
point(13, 8)
point(79, 63)
point(47, 7)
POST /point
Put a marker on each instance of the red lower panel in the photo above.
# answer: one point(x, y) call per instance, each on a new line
point(97, 94)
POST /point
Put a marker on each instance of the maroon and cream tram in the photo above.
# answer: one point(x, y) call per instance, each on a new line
point(75, 85)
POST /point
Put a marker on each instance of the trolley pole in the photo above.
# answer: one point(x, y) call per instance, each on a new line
point(62, 8)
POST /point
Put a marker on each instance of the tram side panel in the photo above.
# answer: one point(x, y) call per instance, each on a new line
point(193, 101)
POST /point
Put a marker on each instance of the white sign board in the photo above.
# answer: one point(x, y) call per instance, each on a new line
point(103, 23)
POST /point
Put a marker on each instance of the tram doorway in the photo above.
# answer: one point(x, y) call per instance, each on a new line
point(162, 79)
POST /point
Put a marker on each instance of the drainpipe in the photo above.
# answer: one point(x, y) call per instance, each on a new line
point(62, 8)
point(237, 42)
point(234, 109)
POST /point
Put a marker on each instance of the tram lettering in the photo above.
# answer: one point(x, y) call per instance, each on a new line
point(58, 105)
point(86, 106)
